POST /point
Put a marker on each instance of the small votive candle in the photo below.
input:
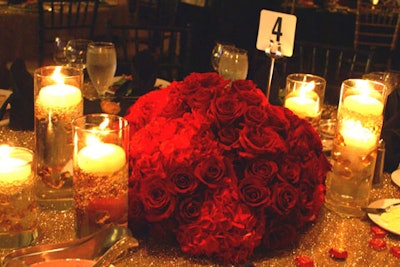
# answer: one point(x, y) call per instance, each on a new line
point(18, 206)
point(305, 96)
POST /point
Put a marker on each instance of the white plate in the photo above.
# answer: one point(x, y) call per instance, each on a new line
point(376, 218)
point(396, 177)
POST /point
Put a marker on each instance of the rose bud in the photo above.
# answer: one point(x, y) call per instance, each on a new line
point(395, 250)
point(338, 253)
point(304, 261)
point(378, 232)
point(377, 244)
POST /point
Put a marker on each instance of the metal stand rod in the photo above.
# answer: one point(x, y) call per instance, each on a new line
point(271, 72)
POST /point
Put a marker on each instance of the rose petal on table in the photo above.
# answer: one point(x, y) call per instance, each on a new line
point(395, 250)
point(378, 232)
point(377, 244)
point(304, 261)
point(338, 253)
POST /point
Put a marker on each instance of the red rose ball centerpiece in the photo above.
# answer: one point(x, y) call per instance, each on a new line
point(221, 170)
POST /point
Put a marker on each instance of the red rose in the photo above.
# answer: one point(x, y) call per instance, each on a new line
point(289, 170)
point(189, 209)
point(175, 108)
point(183, 181)
point(201, 99)
point(253, 192)
point(211, 171)
point(255, 115)
point(229, 137)
point(303, 139)
point(261, 140)
point(284, 198)
point(315, 167)
point(279, 119)
point(158, 202)
point(263, 169)
point(226, 108)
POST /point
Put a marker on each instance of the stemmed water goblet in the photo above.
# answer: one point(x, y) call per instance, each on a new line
point(101, 64)
point(217, 52)
point(75, 52)
point(233, 63)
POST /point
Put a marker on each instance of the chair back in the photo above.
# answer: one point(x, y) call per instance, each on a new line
point(377, 27)
point(170, 45)
point(73, 18)
point(333, 63)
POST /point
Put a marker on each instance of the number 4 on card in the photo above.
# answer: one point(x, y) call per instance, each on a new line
point(277, 28)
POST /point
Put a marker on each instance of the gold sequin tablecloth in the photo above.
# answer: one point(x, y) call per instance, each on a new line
point(329, 231)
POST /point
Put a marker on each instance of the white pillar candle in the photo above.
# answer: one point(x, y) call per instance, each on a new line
point(101, 158)
point(303, 106)
point(13, 170)
point(363, 104)
point(59, 96)
point(353, 132)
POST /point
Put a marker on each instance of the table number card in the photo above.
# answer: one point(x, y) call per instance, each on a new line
point(278, 29)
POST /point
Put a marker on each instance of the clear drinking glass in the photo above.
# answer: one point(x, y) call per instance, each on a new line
point(75, 52)
point(60, 46)
point(101, 64)
point(100, 180)
point(216, 54)
point(233, 63)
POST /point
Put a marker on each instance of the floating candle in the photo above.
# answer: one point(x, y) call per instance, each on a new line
point(303, 105)
point(363, 104)
point(101, 158)
point(59, 96)
point(12, 169)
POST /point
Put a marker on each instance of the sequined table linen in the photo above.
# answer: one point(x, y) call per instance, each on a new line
point(329, 231)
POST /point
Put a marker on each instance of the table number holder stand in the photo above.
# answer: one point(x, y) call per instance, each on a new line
point(274, 52)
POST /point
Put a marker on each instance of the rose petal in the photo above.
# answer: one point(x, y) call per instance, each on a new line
point(338, 253)
point(304, 261)
point(395, 250)
point(378, 232)
point(377, 244)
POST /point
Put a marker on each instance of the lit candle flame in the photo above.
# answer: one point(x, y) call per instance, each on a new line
point(57, 76)
point(5, 151)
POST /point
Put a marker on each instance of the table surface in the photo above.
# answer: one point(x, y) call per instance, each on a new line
point(328, 231)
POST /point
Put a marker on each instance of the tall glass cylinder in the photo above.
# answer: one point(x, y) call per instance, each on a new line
point(359, 124)
point(100, 172)
point(18, 206)
point(304, 95)
point(58, 100)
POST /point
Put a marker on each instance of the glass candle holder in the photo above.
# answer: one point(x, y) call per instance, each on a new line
point(18, 206)
point(100, 172)
point(58, 100)
point(359, 124)
point(304, 95)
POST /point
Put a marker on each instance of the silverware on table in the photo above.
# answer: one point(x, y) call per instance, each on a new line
point(379, 210)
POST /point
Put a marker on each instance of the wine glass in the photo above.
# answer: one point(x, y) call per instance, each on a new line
point(101, 64)
point(233, 63)
point(75, 52)
point(59, 47)
point(217, 52)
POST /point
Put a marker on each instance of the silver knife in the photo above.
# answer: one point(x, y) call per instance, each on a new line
point(379, 210)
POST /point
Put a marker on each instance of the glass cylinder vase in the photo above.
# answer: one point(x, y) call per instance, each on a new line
point(18, 206)
point(359, 124)
point(58, 100)
point(304, 95)
point(101, 144)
